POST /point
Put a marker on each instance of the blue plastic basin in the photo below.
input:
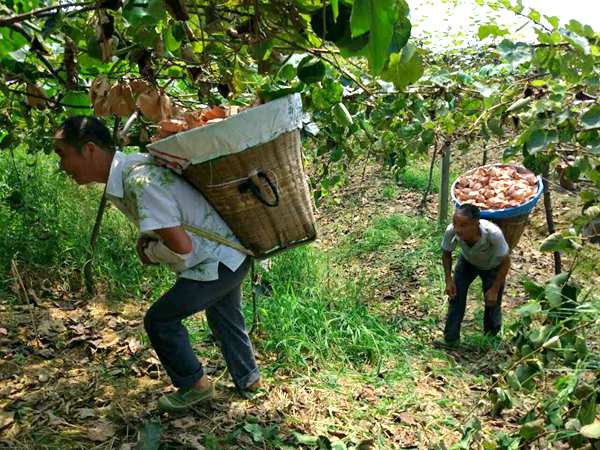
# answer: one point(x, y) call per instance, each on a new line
point(520, 210)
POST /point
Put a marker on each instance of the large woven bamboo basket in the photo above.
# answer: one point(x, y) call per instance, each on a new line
point(261, 193)
point(512, 228)
point(250, 168)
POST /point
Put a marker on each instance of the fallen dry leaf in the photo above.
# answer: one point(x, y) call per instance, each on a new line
point(7, 418)
point(85, 413)
point(50, 327)
point(43, 377)
point(103, 431)
point(107, 340)
point(406, 418)
point(366, 444)
point(184, 423)
point(55, 420)
point(134, 345)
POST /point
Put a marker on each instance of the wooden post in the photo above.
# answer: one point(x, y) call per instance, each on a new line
point(549, 216)
point(444, 186)
point(430, 178)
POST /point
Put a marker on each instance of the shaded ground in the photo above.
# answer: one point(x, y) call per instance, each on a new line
point(78, 373)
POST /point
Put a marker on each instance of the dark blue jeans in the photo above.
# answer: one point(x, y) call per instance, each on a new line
point(464, 274)
point(221, 299)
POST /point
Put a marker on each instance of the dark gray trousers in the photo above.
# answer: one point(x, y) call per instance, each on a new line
point(464, 274)
point(221, 299)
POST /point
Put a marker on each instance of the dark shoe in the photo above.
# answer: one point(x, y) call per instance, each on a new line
point(447, 345)
point(492, 333)
point(253, 391)
point(185, 398)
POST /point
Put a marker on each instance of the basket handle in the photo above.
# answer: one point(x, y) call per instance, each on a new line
point(252, 185)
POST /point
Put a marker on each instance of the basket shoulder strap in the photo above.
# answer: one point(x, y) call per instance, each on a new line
point(199, 231)
point(218, 239)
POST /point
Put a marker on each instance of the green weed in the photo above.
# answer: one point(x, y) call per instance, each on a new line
point(396, 229)
point(315, 317)
point(416, 178)
point(390, 192)
point(416, 175)
point(47, 221)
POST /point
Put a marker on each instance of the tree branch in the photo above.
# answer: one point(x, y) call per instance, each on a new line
point(49, 100)
point(333, 63)
point(5, 21)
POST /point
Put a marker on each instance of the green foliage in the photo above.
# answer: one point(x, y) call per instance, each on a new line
point(379, 19)
point(591, 118)
point(591, 431)
point(404, 68)
point(559, 242)
point(542, 92)
point(46, 221)
point(311, 70)
point(491, 30)
point(149, 436)
point(551, 336)
point(390, 192)
point(500, 399)
point(342, 114)
point(315, 318)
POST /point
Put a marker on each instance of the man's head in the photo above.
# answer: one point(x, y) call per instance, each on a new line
point(466, 222)
point(84, 146)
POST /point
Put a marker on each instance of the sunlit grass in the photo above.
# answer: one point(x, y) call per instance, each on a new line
point(47, 220)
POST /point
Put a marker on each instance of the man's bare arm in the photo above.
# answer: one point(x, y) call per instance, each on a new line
point(447, 263)
point(502, 273)
point(176, 239)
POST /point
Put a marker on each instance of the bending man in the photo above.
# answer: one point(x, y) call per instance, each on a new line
point(484, 253)
point(209, 279)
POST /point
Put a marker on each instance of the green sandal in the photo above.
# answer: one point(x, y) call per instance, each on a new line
point(447, 345)
point(185, 398)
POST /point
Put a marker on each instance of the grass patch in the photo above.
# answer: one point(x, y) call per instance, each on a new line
point(395, 229)
point(383, 232)
point(390, 192)
point(47, 221)
point(416, 174)
point(415, 177)
point(316, 318)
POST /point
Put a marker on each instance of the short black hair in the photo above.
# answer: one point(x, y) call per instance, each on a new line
point(469, 211)
point(79, 130)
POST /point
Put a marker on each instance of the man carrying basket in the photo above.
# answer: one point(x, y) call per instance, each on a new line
point(210, 274)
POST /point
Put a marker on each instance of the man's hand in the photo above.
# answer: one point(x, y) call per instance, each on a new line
point(450, 288)
point(141, 245)
point(491, 297)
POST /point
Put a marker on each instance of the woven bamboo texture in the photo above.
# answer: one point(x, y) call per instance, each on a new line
point(263, 229)
point(512, 228)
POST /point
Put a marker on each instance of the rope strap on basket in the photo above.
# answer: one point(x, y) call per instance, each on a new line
point(218, 239)
point(199, 231)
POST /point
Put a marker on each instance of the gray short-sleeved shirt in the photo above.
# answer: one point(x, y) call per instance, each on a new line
point(486, 253)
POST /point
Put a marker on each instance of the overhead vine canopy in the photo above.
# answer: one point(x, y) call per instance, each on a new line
point(51, 51)
point(537, 100)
